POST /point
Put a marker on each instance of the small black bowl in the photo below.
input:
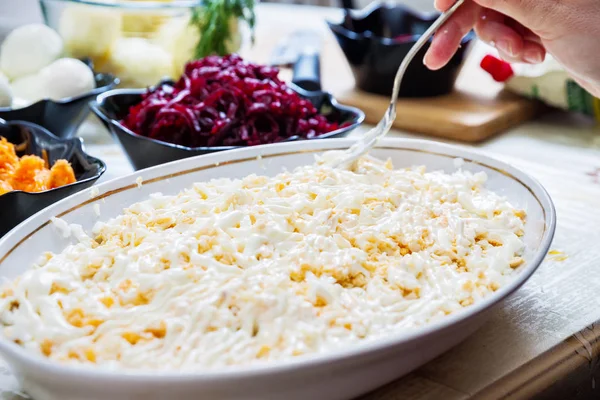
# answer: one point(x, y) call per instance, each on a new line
point(62, 117)
point(143, 152)
point(376, 40)
point(17, 206)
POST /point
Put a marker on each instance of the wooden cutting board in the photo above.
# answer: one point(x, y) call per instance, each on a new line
point(460, 115)
point(477, 109)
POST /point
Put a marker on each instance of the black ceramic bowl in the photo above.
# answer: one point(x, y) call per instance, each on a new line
point(143, 152)
point(17, 206)
point(376, 40)
point(62, 117)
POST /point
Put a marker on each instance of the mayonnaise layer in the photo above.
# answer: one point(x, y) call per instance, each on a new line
point(235, 272)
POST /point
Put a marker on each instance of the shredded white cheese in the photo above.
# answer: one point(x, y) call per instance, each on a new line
point(458, 163)
point(234, 272)
point(61, 226)
point(261, 162)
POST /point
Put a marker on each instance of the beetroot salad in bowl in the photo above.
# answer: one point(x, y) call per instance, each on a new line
point(219, 103)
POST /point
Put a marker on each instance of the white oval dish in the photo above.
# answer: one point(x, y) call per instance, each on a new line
point(337, 375)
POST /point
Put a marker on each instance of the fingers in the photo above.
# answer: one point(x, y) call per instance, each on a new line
point(535, 14)
point(498, 22)
point(492, 29)
point(514, 42)
point(443, 5)
point(533, 53)
point(526, 33)
point(447, 39)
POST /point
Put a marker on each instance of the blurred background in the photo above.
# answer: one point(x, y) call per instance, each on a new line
point(17, 12)
point(422, 5)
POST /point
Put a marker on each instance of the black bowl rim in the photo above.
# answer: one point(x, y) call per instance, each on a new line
point(340, 29)
point(75, 142)
point(95, 106)
point(112, 82)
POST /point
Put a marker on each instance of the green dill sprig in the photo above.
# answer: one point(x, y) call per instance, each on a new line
point(213, 23)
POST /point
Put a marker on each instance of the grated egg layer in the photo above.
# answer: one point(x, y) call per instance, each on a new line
point(235, 272)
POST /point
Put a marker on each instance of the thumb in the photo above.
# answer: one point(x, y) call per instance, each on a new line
point(533, 14)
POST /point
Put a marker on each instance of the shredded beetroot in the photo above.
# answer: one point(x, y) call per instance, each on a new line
point(226, 101)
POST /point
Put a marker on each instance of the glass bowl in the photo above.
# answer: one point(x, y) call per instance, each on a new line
point(141, 42)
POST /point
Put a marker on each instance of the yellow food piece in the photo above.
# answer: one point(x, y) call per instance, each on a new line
point(75, 317)
point(179, 38)
point(139, 63)
point(107, 301)
point(46, 347)
point(89, 31)
point(90, 355)
point(235, 41)
point(131, 337)
point(141, 24)
point(159, 331)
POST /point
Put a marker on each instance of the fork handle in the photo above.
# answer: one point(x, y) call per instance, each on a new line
point(370, 139)
point(414, 50)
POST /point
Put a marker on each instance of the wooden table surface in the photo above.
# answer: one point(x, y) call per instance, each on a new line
point(544, 340)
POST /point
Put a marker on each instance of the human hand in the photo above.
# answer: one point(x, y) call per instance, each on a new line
point(524, 30)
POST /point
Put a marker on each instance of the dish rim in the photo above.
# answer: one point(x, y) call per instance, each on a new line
point(98, 109)
point(288, 365)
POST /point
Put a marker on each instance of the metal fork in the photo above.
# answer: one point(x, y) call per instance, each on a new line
point(370, 139)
